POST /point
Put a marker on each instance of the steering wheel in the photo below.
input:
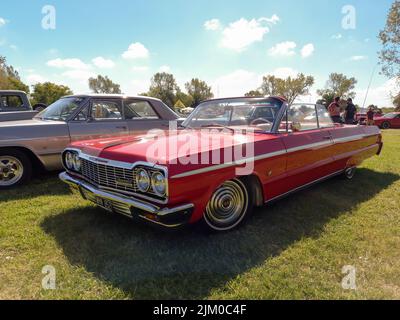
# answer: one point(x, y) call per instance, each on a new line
point(260, 121)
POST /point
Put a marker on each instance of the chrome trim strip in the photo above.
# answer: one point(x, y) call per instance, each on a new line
point(304, 186)
point(251, 159)
point(148, 207)
point(348, 139)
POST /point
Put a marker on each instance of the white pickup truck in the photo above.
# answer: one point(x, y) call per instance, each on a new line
point(15, 105)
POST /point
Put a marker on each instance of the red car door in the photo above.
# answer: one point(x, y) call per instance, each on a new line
point(309, 148)
point(396, 121)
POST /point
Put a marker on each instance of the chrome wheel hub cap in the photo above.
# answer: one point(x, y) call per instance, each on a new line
point(11, 170)
point(227, 206)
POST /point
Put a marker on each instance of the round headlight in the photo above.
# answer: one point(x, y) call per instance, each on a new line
point(69, 160)
point(159, 183)
point(142, 180)
point(77, 162)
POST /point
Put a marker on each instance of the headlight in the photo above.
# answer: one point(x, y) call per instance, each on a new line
point(69, 160)
point(142, 180)
point(77, 162)
point(159, 183)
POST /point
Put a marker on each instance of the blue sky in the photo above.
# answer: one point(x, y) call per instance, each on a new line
point(230, 44)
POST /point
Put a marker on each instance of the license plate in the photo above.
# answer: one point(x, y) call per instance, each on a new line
point(104, 203)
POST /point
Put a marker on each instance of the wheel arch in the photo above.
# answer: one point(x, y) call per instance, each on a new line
point(253, 182)
point(36, 162)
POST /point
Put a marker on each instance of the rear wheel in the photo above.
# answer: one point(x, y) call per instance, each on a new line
point(228, 207)
point(15, 168)
point(386, 125)
point(349, 173)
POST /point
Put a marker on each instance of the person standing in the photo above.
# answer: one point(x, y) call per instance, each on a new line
point(370, 117)
point(334, 110)
point(350, 112)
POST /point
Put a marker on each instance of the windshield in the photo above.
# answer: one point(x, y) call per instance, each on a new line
point(61, 109)
point(238, 113)
point(390, 115)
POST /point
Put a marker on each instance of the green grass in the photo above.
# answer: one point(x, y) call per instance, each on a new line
point(293, 249)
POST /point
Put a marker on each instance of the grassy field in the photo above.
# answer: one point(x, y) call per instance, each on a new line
point(293, 249)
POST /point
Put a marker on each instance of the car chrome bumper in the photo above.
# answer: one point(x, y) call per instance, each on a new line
point(167, 217)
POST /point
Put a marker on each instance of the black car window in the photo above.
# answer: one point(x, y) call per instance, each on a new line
point(11, 102)
point(106, 110)
point(139, 109)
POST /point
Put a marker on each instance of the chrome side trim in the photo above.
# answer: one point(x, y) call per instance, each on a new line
point(305, 186)
point(138, 204)
point(251, 159)
point(348, 139)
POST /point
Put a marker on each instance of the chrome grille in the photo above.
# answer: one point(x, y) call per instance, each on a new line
point(107, 176)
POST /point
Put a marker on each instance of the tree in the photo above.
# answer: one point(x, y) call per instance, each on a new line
point(48, 92)
point(390, 38)
point(199, 90)
point(338, 85)
point(9, 77)
point(396, 102)
point(103, 85)
point(254, 93)
point(186, 99)
point(290, 88)
point(163, 86)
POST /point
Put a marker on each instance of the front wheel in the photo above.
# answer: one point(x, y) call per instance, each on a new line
point(228, 207)
point(386, 125)
point(15, 168)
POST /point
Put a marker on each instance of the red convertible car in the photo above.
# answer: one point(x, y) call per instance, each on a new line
point(390, 120)
point(221, 164)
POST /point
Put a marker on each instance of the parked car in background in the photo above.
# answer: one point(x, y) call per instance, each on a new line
point(390, 120)
point(292, 150)
point(39, 142)
point(15, 105)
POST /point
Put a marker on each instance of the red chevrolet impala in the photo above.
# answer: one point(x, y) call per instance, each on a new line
point(228, 157)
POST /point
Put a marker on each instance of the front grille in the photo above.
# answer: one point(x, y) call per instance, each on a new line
point(116, 178)
point(108, 176)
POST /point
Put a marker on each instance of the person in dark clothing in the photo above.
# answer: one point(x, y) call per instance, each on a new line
point(334, 111)
point(350, 112)
point(370, 117)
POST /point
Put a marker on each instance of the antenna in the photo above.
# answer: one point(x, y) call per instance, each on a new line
point(369, 85)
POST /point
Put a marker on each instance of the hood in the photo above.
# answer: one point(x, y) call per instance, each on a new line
point(30, 129)
point(171, 149)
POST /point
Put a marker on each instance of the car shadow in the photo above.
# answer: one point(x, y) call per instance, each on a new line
point(154, 264)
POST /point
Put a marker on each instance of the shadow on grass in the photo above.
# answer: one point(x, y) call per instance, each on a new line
point(47, 184)
point(151, 264)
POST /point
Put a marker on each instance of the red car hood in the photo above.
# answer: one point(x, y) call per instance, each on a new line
point(172, 147)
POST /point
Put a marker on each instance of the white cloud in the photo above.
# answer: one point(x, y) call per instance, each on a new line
point(165, 69)
point(78, 74)
point(213, 24)
point(379, 95)
point(102, 63)
point(136, 87)
point(139, 68)
point(283, 49)
point(2, 21)
point(236, 83)
point(337, 36)
point(34, 79)
point(358, 58)
point(67, 63)
point(136, 50)
point(284, 72)
point(242, 33)
point(13, 46)
point(273, 20)
point(307, 50)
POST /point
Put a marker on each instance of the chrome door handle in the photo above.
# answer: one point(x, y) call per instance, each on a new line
point(327, 137)
point(122, 127)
